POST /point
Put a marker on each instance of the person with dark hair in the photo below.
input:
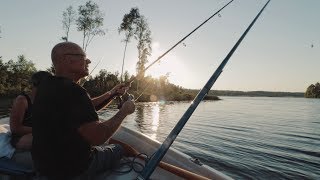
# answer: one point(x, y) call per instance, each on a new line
point(71, 142)
point(21, 115)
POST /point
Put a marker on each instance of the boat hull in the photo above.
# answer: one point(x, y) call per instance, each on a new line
point(174, 165)
point(146, 145)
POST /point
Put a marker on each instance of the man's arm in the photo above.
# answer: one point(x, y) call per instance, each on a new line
point(103, 100)
point(98, 132)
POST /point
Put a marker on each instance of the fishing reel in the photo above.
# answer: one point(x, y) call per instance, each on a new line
point(125, 97)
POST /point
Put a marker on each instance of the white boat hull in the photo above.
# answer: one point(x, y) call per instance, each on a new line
point(143, 144)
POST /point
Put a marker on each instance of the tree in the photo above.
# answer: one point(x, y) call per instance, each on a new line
point(0, 37)
point(90, 21)
point(68, 17)
point(51, 69)
point(126, 76)
point(143, 35)
point(3, 77)
point(19, 74)
point(313, 91)
point(101, 83)
point(128, 25)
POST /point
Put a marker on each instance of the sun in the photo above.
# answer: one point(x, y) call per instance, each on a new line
point(168, 65)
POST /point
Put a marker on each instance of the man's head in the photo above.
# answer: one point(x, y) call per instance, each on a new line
point(69, 60)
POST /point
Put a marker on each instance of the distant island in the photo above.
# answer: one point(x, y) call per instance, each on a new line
point(217, 93)
point(256, 93)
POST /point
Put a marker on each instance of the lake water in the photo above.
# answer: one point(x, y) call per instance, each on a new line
point(243, 137)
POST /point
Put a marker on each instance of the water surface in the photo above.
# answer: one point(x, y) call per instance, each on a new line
point(243, 137)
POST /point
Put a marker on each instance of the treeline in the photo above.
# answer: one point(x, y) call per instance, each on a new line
point(255, 93)
point(88, 19)
point(145, 90)
point(313, 91)
point(15, 76)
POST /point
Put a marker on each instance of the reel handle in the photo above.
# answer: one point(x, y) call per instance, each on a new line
point(124, 98)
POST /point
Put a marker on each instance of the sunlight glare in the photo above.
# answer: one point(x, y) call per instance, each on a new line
point(169, 64)
point(155, 120)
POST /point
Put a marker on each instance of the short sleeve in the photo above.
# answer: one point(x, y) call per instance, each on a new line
point(81, 107)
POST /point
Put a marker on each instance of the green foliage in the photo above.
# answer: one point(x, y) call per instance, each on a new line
point(3, 77)
point(68, 17)
point(128, 25)
point(136, 25)
point(15, 75)
point(313, 91)
point(51, 69)
point(143, 35)
point(90, 21)
point(152, 89)
point(101, 83)
point(125, 76)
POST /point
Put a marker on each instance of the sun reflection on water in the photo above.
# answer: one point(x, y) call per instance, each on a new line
point(155, 120)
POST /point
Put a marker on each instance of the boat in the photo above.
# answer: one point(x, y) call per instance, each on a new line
point(174, 165)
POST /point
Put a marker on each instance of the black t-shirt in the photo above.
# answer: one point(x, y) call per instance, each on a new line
point(60, 108)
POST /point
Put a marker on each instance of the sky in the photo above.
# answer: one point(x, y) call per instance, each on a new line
point(280, 53)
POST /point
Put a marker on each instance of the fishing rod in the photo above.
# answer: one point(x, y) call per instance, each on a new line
point(124, 56)
point(154, 161)
point(160, 57)
point(85, 79)
point(96, 66)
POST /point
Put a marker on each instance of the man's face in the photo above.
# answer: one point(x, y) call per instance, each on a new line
point(78, 62)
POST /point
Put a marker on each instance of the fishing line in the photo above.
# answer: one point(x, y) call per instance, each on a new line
point(160, 57)
point(147, 86)
point(121, 99)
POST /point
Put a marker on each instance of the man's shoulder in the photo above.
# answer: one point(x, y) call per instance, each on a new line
point(60, 82)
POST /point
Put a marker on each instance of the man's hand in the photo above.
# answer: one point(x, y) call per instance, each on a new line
point(119, 89)
point(128, 107)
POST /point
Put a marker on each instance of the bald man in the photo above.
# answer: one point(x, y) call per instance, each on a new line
point(67, 132)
